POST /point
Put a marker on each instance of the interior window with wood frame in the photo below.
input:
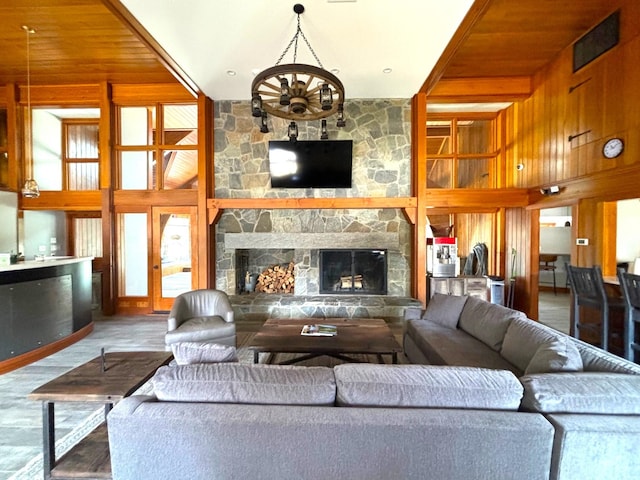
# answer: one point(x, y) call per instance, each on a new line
point(4, 149)
point(157, 147)
point(80, 155)
point(461, 151)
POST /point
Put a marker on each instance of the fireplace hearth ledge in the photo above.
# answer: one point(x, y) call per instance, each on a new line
point(260, 306)
point(382, 240)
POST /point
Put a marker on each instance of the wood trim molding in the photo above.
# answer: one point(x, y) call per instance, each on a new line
point(476, 200)
point(311, 203)
point(59, 95)
point(119, 10)
point(475, 13)
point(174, 198)
point(64, 200)
point(137, 94)
point(45, 351)
point(216, 206)
point(609, 185)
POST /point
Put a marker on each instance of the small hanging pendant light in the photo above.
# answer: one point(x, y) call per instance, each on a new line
point(30, 189)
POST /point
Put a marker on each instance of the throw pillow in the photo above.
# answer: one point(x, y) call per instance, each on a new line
point(445, 310)
point(557, 355)
point(486, 321)
point(187, 353)
point(522, 340)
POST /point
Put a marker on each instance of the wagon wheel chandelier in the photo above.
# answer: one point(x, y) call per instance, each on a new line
point(296, 91)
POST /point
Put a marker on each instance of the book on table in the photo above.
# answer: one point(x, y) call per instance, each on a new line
point(319, 330)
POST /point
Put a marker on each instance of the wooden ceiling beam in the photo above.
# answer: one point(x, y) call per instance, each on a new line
point(485, 89)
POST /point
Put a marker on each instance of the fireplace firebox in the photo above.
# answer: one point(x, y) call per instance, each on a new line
point(349, 271)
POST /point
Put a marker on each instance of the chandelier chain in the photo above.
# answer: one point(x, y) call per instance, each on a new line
point(294, 42)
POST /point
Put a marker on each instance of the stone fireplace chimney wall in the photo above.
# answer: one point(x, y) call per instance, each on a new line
point(381, 134)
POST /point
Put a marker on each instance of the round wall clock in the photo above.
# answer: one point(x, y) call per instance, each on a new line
point(613, 148)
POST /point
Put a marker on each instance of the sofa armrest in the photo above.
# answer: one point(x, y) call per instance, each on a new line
point(582, 392)
point(413, 313)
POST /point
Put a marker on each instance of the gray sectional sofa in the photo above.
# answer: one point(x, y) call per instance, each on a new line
point(501, 397)
point(353, 421)
point(591, 397)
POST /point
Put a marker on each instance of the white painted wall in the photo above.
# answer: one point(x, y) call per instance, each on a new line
point(47, 150)
point(9, 220)
point(555, 239)
point(628, 231)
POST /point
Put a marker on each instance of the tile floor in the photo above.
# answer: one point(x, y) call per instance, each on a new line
point(21, 420)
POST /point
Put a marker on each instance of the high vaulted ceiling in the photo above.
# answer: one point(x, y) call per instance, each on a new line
point(199, 41)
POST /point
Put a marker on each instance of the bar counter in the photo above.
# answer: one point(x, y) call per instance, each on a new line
point(44, 307)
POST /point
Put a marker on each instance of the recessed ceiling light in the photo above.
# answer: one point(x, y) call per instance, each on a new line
point(335, 71)
point(231, 73)
point(387, 70)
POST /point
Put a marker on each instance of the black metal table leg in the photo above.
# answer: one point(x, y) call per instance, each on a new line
point(48, 438)
point(107, 408)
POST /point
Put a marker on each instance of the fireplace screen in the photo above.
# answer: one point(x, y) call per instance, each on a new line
point(353, 271)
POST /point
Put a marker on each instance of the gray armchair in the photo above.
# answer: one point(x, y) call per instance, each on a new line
point(201, 316)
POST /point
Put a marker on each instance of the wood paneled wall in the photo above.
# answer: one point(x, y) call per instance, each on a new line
point(520, 263)
point(558, 134)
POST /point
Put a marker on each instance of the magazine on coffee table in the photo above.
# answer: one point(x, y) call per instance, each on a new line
point(319, 330)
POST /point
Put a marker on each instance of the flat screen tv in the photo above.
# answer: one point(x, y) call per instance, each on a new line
point(310, 163)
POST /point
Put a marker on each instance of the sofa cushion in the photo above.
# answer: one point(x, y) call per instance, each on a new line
point(597, 393)
point(200, 329)
point(242, 383)
point(522, 340)
point(445, 309)
point(557, 355)
point(444, 346)
point(486, 321)
point(186, 353)
point(369, 385)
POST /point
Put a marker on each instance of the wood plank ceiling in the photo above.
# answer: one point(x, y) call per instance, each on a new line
point(516, 38)
point(89, 41)
point(76, 42)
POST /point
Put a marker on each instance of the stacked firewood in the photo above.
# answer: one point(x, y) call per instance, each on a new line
point(277, 279)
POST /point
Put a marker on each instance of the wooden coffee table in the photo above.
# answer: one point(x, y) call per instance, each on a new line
point(355, 336)
point(121, 374)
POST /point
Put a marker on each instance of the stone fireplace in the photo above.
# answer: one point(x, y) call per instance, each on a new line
point(253, 238)
point(380, 248)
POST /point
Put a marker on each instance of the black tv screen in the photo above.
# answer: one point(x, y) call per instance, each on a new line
point(310, 163)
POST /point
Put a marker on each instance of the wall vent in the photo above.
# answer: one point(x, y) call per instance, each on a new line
point(598, 40)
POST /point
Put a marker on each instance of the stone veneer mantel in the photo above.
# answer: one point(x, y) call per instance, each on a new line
point(380, 240)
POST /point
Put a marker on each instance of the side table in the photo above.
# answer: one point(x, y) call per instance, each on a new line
point(106, 379)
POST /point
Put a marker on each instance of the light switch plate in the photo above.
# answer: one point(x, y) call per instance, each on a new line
point(582, 241)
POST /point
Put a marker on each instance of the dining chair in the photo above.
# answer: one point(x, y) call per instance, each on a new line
point(548, 264)
point(630, 286)
point(588, 291)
